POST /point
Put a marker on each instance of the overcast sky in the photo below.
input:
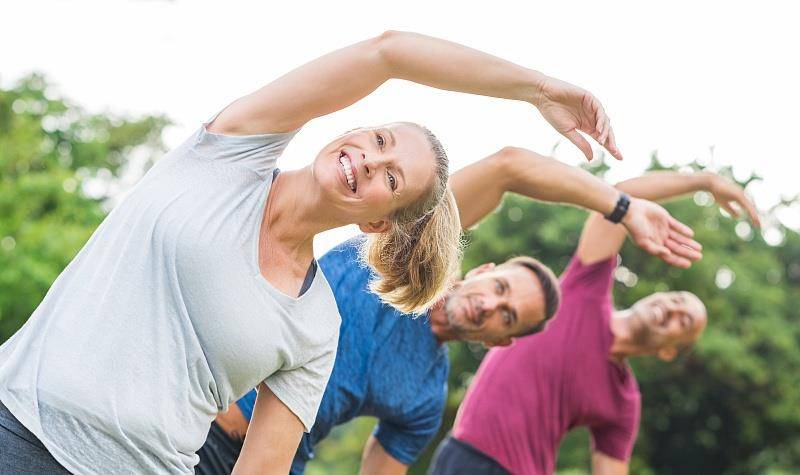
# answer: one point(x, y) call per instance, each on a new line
point(683, 78)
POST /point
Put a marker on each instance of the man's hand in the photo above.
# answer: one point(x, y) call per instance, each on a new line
point(653, 229)
point(726, 193)
point(570, 109)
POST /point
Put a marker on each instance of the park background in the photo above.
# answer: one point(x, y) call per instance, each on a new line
point(93, 93)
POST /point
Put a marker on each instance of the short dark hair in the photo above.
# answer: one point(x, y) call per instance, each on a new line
point(550, 289)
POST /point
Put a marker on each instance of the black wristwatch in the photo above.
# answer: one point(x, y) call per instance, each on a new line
point(620, 209)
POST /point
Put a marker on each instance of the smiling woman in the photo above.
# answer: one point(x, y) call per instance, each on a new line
point(201, 284)
point(391, 181)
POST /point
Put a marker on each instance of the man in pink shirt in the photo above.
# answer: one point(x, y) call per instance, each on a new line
point(527, 396)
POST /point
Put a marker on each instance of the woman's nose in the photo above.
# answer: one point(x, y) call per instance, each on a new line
point(372, 163)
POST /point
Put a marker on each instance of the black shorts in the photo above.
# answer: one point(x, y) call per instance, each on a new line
point(21, 453)
point(454, 457)
point(218, 455)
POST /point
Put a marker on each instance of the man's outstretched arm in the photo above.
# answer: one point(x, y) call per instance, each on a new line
point(377, 461)
point(479, 188)
point(602, 464)
point(602, 239)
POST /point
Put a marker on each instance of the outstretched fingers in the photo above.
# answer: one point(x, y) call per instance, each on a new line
point(680, 242)
point(603, 132)
point(677, 261)
point(680, 228)
point(683, 251)
point(685, 241)
point(611, 144)
point(577, 139)
point(665, 254)
point(602, 126)
point(651, 247)
point(747, 204)
point(726, 205)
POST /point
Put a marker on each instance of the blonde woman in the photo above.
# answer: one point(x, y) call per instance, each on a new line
point(202, 284)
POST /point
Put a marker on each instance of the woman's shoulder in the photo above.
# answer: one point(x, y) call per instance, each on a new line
point(258, 152)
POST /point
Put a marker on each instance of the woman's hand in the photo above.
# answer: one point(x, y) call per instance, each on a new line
point(726, 193)
point(570, 109)
point(653, 229)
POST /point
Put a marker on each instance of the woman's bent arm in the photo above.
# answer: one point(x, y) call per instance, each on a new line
point(341, 78)
point(272, 438)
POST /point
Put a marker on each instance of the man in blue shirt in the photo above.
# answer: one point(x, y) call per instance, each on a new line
point(394, 366)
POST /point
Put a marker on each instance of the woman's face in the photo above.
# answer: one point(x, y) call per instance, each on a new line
point(369, 173)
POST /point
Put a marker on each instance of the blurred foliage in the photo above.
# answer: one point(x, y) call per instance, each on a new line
point(729, 406)
point(58, 164)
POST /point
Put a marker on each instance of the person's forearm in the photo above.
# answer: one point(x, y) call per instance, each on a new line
point(604, 465)
point(272, 437)
point(376, 461)
point(665, 185)
point(479, 187)
point(553, 181)
point(451, 66)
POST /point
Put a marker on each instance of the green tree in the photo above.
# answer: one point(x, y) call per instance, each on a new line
point(58, 165)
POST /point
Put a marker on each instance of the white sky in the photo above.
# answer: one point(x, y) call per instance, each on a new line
point(679, 77)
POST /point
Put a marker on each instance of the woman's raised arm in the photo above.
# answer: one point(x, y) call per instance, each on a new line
point(341, 78)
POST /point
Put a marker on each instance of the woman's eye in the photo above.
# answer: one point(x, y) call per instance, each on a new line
point(498, 287)
point(392, 182)
point(381, 141)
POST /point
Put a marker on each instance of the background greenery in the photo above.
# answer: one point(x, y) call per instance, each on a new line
point(730, 406)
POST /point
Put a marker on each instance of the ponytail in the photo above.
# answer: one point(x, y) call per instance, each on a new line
point(416, 261)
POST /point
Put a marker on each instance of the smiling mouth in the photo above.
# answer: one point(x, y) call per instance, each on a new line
point(347, 168)
point(658, 316)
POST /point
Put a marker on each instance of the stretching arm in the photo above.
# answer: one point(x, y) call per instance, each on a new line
point(272, 437)
point(377, 461)
point(602, 464)
point(341, 78)
point(601, 239)
point(479, 188)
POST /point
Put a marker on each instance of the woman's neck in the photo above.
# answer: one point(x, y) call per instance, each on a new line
point(295, 213)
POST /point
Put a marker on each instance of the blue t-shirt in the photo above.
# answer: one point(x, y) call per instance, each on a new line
point(389, 365)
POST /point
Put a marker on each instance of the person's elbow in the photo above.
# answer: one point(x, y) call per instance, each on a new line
point(512, 162)
point(386, 46)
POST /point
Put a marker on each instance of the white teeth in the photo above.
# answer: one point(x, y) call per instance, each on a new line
point(348, 172)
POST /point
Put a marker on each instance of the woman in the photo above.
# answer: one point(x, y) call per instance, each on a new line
point(201, 284)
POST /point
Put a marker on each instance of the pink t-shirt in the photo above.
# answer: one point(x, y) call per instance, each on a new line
point(527, 396)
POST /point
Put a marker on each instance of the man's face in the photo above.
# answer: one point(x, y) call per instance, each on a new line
point(667, 320)
point(493, 304)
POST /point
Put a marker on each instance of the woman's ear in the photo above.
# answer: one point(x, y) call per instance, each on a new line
point(375, 227)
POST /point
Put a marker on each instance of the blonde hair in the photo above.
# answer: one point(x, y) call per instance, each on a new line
point(417, 258)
